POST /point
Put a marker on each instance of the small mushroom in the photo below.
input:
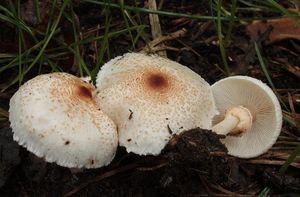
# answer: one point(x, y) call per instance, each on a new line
point(250, 115)
point(151, 98)
point(54, 116)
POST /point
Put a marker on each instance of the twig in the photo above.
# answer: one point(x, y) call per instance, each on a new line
point(101, 177)
point(204, 182)
point(289, 138)
point(285, 64)
point(218, 154)
point(155, 25)
point(163, 48)
point(172, 36)
point(227, 192)
point(188, 48)
point(283, 148)
point(269, 162)
point(153, 167)
point(3, 113)
point(280, 155)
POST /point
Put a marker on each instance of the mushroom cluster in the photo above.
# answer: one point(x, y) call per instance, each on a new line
point(140, 102)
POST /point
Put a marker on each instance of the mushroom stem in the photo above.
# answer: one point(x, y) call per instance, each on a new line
point(237, 120)
point(226, 125)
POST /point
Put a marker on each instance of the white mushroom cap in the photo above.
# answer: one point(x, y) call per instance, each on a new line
point(150, 98)
point(265, 109)
point(55, 117)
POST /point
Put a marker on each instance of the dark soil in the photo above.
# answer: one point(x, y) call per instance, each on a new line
point(184, 167)
point(194, 163)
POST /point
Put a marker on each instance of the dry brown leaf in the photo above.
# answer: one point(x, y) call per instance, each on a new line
point(283, 28)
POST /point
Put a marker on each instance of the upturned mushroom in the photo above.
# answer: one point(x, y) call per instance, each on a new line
point(250, 115)
point(55, 117)
point(150, 98)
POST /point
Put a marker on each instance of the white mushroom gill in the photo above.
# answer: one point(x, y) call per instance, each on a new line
point(250, 115)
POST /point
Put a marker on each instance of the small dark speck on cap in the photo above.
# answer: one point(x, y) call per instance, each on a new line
point(169, 129)
point(67, 142)
point(130, 115)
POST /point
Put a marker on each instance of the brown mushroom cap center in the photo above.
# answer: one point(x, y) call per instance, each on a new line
point(84, 92)
point(156, 81)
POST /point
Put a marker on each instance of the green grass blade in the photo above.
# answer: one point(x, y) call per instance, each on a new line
point(140, 32)
point(80, 61)
point(289, 160)
point(282, 9)
point(97, 38)
point(266, 72)
point(52, 12)
point(289, 14)
point(47, 40)
point(263, 65)
point(264, 192)
point(24, 54)
point(104, 45)
point(7, 55)
point(126, 23)
point(38, 11)
point(290, 119)
point(21, 44)
point(110, 35)
point(149, 11)
point(9, 17)
point(220, 37)
point(54, 67)
point(231, 22)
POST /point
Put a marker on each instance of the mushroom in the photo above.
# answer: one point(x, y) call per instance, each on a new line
point(54, 116)
point(250, 115)
point(151, 98)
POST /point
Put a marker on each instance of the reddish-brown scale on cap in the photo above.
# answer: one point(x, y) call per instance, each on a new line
point(156, 81)
point(154, 84)
point(153, 80)
point(74, 90)
point(84, 92)
point(78, 88)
